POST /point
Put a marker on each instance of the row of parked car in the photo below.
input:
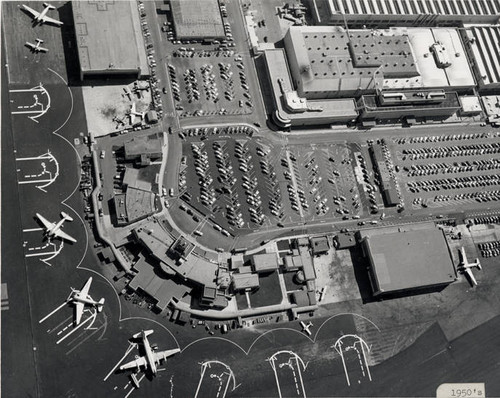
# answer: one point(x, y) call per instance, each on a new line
point(454, 183)
point(451, 151)
point(441, 138)
point(267, 168)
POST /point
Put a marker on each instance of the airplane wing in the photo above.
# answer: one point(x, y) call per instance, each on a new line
point(136, 363)
point(471, 276)
point(78, 311)
point(46, 223)
point(52, 21)
point(64, 235)
point(30, 45)
point(43, 49)
point(31, 11)
point(161, 355)
point(85, 290)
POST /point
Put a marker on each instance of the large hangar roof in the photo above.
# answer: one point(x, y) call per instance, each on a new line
point(197, 19)
point(105, 45)
point(409, 259)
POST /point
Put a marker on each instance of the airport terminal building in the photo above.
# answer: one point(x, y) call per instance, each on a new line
point(328, 74)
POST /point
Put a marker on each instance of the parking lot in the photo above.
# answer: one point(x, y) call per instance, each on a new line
point(320, 181)
point(444, 171)
point(221, 176)
point(246, 185)
point(209, 82)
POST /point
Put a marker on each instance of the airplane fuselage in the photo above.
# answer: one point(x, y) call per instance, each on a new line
point(40, 17)
point(149, 355)
point(85, 300)
point(51, 231)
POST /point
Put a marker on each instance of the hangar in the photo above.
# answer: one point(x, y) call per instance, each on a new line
point(107, 48)
point(406, 260)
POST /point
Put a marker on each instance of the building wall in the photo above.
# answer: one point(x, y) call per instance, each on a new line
point(381, 13)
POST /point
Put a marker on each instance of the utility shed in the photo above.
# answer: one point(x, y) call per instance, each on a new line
point(408, 260)
point(106, 47)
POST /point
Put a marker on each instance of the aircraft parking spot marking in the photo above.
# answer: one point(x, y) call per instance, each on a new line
point(129, 349)
point(41, 251)
point(29, 102)
point(359, 346)
point(133, 387)
point(36, 170)
point(223, 378)
point(92, 318)
point(290, 362)
point(80, 336)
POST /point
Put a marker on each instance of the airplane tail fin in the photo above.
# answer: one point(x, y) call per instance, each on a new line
point(478, 264)
point(146, 333)
point(100, 305)
point(66, 216)
point(49, 5)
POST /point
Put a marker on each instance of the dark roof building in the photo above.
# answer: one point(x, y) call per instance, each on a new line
point(106, 47)
point(319, 245)
point(344, 240)
point(160, 288)
point(407, 260)
point(149, 146)
point(197, 19)
point(388, 185)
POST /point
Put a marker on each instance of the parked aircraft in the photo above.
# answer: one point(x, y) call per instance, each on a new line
point(151, 359)
point(465, 266)
point(133, 113)
point(53, 229)
point(36, 47)
point(80, 298)
point(41, 17)
point(306, 327)
point(128, 93)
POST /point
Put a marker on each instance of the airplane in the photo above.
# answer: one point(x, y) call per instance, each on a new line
point(36, 47)
point(305, 327)
point(81, 298)
point(128, 93)
point(41, 17)
point(151, 359)
point(465, 266)
point(53, 229)
point(133, 113)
